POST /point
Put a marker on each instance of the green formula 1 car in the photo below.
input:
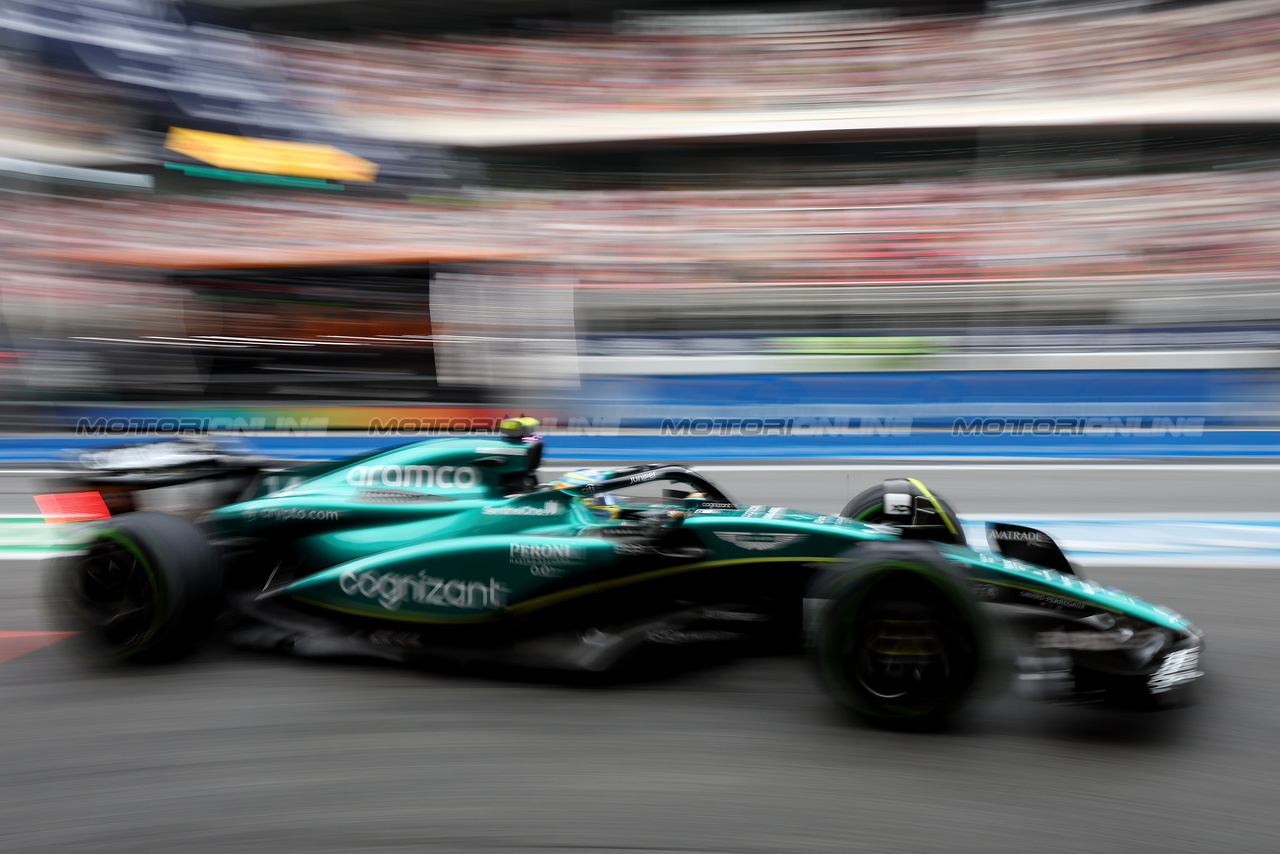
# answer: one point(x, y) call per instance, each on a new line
point(450, 548)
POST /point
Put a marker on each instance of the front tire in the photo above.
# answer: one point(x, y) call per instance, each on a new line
point(900, 641)
point(146, 589)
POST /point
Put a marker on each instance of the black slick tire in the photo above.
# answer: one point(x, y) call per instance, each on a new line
point(147, 588)
point(898, 639)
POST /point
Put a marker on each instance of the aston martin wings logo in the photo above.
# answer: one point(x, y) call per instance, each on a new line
point(758, 542)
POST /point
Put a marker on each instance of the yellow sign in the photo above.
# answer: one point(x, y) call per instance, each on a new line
point(271, 156)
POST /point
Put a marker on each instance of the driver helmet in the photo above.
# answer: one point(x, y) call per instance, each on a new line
point(602, 505)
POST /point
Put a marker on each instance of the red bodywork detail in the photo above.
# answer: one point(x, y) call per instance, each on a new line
point(72, 507)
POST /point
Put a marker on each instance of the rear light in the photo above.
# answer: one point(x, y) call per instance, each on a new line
point(58, 507)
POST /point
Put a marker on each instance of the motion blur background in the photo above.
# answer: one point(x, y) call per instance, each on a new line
point(889, 228)
point(630, 212)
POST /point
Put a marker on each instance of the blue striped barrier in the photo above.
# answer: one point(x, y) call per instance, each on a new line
point(650, 445)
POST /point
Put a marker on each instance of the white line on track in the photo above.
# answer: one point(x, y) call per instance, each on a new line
point(1003, 465)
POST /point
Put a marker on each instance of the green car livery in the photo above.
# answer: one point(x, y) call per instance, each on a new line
point(451, 549)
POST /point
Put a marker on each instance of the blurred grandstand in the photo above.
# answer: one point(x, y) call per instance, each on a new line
point(921, 182)
point(725, 74)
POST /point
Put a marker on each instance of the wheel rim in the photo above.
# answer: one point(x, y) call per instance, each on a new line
point(112, 593)
point(902, 661)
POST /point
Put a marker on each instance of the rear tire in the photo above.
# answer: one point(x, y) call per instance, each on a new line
point(900, 641)
point(147, 588)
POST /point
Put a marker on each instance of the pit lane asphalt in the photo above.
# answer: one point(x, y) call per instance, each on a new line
point(263, 753)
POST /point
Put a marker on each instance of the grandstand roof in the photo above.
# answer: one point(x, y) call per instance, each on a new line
point(437, 15)
point(1189, 106)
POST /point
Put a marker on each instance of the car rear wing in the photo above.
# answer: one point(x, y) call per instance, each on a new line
point(190, 473)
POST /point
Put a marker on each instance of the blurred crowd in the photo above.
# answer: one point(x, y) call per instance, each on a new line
point(825, 62)
point(1048, 226)
point(709, 62)
point(1219, 224)
point(1189, 221)
point(42, 103)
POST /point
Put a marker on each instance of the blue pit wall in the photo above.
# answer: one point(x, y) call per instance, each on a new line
point(651, 447)
point(1129, 413)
